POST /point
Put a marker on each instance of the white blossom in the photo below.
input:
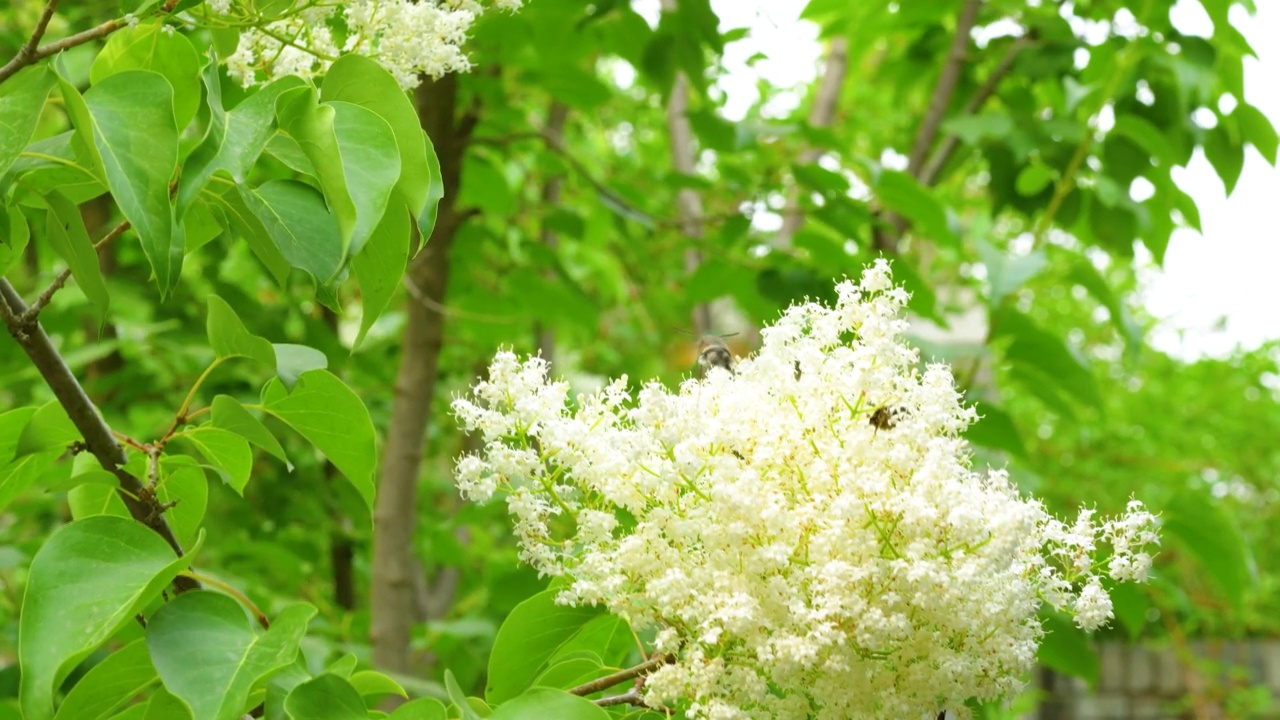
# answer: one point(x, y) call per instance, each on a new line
point(795, 558)
point(409, 38)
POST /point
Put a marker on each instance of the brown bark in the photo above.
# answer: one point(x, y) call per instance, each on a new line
point(886, 239)
point(395, 513)
point(688, 201)
point(821, 114)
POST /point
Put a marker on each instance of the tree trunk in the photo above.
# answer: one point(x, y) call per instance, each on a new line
point(395, 513)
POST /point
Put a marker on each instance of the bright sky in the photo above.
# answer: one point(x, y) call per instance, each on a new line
point(1230, 272)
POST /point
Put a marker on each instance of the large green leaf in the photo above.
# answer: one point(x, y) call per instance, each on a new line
point(82, 140)
point(65, 230)
point(135, 133)
point(325, 697)
point(906, 196)
point(186, 485)
point(1007, 273)
point(1066, 648)
point(244, 222)
point(548, 703)
point(226, 451)
point(12, 424)
point(1257, 130)
point(1046, 353)
point(210, 656)
point(48, 427)
point(23, 472)
point(299, 223)
point(358, 80)
point(148, 47)
point(530, 636)
point(356, 159)
point(380, 265)
point(235, 139)
point(229, 414)
point(164, 706)
point(111, 683)
point(328, 414)
point(230, 338)
point(88, 579)
point(1205, 531)
point(21, 101)
point(420, 709)
point(14, 236)
point(293, 360)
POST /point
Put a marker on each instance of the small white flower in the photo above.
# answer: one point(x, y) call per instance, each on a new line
point(131, 19)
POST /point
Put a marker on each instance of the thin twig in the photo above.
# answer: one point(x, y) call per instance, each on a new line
point(630, 697)
point(885, 238)
point(27, 54)
point(622, 676)
point(23, 59)
point(61, 279)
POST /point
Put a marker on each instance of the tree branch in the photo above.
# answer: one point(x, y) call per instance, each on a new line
point(942, 155)
point(886, 239)
point(630, 697)
point(142, 505)
point(820, 115)
point(622, 676)
point(30, 55)
point(61, 279)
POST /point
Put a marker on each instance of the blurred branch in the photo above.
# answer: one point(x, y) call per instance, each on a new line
point(683, 154)
point(886, 239)
point(821, 114)
point(942, 155)
point(557, 115)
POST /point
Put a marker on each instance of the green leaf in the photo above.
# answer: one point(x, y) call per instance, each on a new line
point(235, 139)
point(148, 47)
point(1149, 137)
point(1046, 353)
point(356, 160)
point(549, 703)
point(571, 673)
point(326, 697)
point(300, 225)
point(427, 219)
point(360, 81)
point(93, 499)
point(245, 223)
point(1130, 606)
point(343, 666)
point(21, 102)
point(185, 485)
point(1256, 129)
point(88, 579)
point(1066, 648)
point(110, 684)
point(293, 360)
point(226, 451)
point(1206, 531)
point(65, 230)
point(49, 427)
point(1034, 178)
point(459, 698)
point(134, 131)
point(995, 429)
point(23, 472)
point(1225, 154)
point(229, 414)
point(12, 424)
point(380, 265)
point(371, 682)
point(530, 636)
point(1008, 273)
point(213, 676)
point(973, 129)
point(165, 706)
point(329, 415)
point(230, 338)
point(82, 140)
point(420, 709)
point(906, 196)
point(14, 235)
point(1087, 276)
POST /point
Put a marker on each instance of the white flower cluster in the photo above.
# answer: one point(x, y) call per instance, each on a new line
point(794, 557)
point(409, 38)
